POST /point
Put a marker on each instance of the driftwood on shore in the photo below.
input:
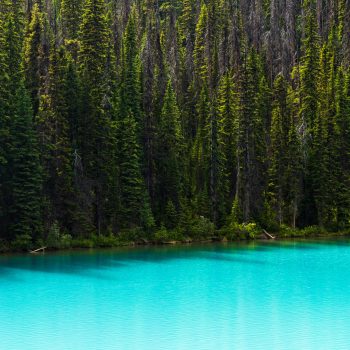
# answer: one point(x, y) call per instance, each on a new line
point(42, 249)
point(267, 235)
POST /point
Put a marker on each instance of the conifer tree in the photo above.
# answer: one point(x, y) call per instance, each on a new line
point(217, 185)
point(200, 53)
point(252, 123)
point(295, 162)
point(279, 146)
point(56, 150)
point(11, 31)
point(169, 153)
point(323, 152)
point(95, 137)
point(199, 166)
point(343, 157)
point(25, 205)
point(309, 100)
point(71, 16)
point(34, 55)
point(4, 131)
point(134, 209)
point(227, 133)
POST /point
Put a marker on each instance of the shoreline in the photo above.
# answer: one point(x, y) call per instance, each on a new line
point(142, 243)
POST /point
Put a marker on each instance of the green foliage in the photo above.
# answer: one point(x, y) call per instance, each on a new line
point(312, 231)
point(241, 231)
point(169, 151)
point(134, 208)
point(22, 242)
point(4, 246)
point(57, 240)
point(267, 218)
point(252, 147)
point(136, 121)
point(71, 15)
point(164, 235)
point(34, 55)
point(201, 227)
point(82, 243)
point(236, 213)
point(53, 238)
point(95, 137)
point(227, 135)
point(105, 241)
point(25, 184)
point(171, 216)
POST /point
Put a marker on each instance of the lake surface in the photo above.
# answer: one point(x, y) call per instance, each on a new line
point(279, 295)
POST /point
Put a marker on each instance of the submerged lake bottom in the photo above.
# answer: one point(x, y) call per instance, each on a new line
point(265, 295)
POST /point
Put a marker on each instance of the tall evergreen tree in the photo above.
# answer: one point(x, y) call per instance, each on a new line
point(227, 133)
point(11, 32)
point(309, 98)
point(4, 130)
point(252, 123)
point(279, 146)
point(35, 54)
point(170, 150)
point(343, 137)
point(200, 53)
point(71, 16)
point(200, 156)
point(95, 137)
point(25, 203)
point(134, 209)
point(56, 149)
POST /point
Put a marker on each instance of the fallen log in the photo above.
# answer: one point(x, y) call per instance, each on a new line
point(268, 236)
point(42, 249)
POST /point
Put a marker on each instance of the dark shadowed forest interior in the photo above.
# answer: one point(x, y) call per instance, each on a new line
point(165, 119)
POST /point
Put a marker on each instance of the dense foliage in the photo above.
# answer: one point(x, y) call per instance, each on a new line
point(144, 117)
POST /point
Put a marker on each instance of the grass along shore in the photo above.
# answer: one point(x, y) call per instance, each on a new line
point(205, 232)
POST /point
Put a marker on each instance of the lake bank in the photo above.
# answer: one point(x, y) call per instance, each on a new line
point(115, 241)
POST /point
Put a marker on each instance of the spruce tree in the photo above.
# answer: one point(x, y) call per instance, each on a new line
point(134, 209)
point(309, 98)
point(227, 134)
point(169, 152)
point(279, 147)
point(252, 121)
point(11, 33)
point(95, 139)
point(343, 165)
point(34, 55)
point(71, 16)
point(217, 184)
point(200, 53)
point(199, 163)
point(25, 205)
point(4, 130)
point(295, 161)
point(56, 149)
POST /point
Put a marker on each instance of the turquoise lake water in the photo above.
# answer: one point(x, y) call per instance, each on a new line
point(289, 295)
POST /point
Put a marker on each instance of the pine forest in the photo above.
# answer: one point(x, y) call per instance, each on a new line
point(172, 120)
